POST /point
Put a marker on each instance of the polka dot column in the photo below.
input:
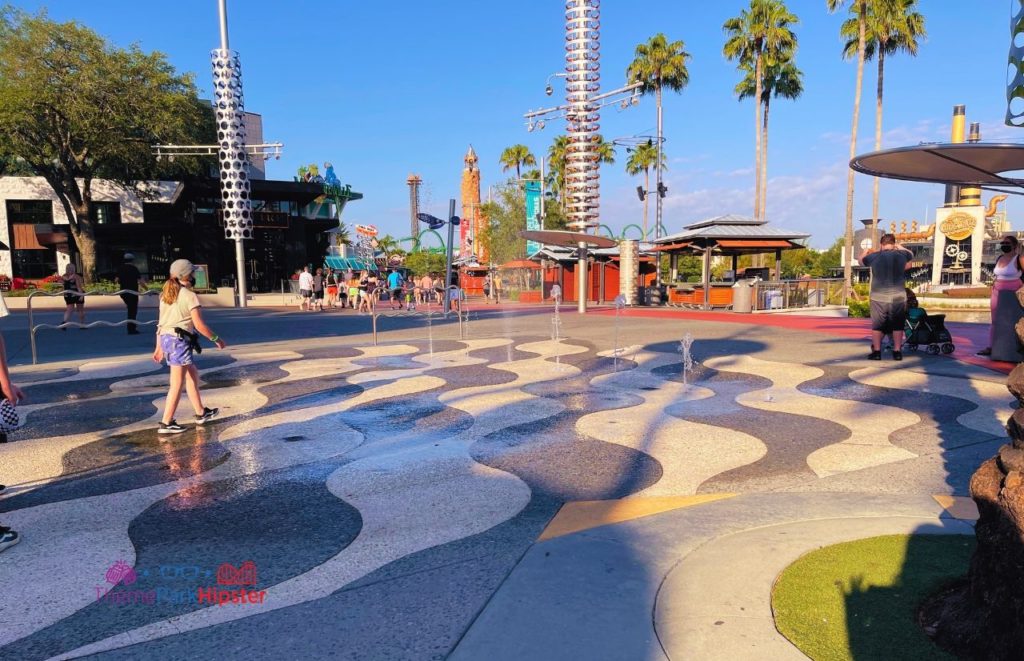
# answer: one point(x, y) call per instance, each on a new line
point(234, 166)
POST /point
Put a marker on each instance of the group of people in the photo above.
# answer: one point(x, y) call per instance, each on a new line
point(890, 298)
point(128, 278)
point(328, 288)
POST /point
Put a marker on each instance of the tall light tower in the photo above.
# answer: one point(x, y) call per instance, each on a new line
point(583, 102)
point(234, 163)
point(582, 82)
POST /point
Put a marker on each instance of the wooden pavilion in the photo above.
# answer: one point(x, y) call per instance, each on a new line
point(722, 236)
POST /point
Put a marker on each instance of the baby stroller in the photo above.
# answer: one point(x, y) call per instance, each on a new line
point(929, 329)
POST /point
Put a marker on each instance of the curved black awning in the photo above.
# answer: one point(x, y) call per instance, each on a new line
point(966, 164)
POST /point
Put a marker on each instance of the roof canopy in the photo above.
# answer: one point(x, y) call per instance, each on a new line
point(967, 163)
point(571, 239)
point(731, 234)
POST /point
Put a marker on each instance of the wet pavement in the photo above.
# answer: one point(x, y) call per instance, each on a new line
point(496, 495)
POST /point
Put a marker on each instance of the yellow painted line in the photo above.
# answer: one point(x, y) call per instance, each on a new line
point(959, 507)
point(587, 514)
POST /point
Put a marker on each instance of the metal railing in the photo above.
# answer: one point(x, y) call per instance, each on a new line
point(33, 327)
point(798, 294)
point(461, 311)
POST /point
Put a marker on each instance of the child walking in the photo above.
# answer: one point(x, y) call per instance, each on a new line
point(181, 317)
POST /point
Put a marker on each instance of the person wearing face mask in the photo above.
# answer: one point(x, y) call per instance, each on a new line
point(1002, 339)
point(181, 317)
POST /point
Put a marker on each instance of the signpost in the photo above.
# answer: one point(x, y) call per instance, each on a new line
point(435, 223)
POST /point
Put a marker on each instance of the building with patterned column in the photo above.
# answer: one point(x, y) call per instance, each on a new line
point(473, 220)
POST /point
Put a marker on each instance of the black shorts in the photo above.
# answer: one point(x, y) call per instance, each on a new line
point(306, 293)
point(319, 295)
point(396, 294)
point(889, 316)
point(71, 299)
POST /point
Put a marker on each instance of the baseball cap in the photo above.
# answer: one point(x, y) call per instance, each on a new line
point(181, 268)
point(128, 256)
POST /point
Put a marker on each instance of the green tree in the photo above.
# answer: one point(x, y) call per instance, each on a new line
point(781, 79)
point(74, 108)
point(756, 38)
point(389, 245)
point(860, 10)
point(506, 217)
point(556, 163)
point(515, 157)
point(892, 26)
point(659, 64)
point(422, 262)
point(830, 259)
point(556, 168)
point(641, 159)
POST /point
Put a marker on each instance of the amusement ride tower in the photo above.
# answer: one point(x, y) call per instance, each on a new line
point(582, 82)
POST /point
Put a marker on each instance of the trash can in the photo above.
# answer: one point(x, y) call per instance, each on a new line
point(654, 295)
point(742, 296)
point(641, 296)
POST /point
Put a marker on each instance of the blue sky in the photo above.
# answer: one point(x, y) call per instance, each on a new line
point(386, 89)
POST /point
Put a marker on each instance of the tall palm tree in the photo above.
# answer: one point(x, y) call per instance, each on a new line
point(892, 26)
point(642, 159)
point(782, 79)
point(515, 157)
point(556, 167)
point(659, 64)
point(556, 161)
point(755, 38)
point(860, 11)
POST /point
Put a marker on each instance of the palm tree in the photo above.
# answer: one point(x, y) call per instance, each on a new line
point(556, 167)
point(860, 11)
point(892, 26)
point(388, 245)
point(781, 80)
point(642, 159)
point(755, 38)
point(659, 64)
point(515, 157)
point(605, 151)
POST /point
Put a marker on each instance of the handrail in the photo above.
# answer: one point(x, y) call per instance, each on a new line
point(74, 324)
point(375, 299)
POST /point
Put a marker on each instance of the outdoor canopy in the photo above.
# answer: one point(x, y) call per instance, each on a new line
point(966, 163)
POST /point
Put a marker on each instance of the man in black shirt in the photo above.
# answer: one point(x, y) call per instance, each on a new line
point(888, 298)
point(128, 277)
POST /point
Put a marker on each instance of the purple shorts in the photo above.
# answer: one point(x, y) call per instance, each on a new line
point(177, 351)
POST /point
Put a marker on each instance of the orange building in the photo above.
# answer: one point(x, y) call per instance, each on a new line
point(473, 221)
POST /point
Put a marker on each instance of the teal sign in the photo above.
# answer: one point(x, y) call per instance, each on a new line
point(533, 193)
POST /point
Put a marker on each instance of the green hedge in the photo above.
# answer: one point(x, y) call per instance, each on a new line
point(860, 308)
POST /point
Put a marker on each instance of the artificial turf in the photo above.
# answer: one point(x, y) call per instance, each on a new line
point(859, 600)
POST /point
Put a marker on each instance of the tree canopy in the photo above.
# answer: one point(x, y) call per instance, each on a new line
point(74, 107)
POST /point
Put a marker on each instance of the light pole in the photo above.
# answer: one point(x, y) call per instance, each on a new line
point(234, 164)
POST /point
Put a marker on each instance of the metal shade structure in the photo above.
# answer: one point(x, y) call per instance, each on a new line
point(570, 239)
point(579, 240)
point(965, 163)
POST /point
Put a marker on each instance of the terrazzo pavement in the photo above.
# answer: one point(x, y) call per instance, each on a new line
point(498, 495)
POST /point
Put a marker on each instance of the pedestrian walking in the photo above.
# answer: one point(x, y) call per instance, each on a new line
point(306, 289)
point(129, 278)
point(177, 337)
point(318, 290)
point(395, 282)
point(426, 289)
point(73, 282)
point(331, 285)
point(13, 394)
point(888, 298)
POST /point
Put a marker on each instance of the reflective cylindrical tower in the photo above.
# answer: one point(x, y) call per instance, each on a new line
point(582, 82)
